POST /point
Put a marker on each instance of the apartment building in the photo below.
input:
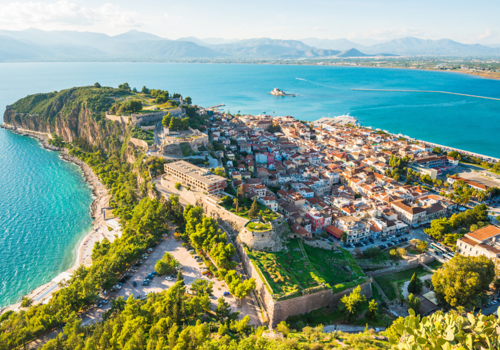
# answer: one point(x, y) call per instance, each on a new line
point(485, 241)
point(195, 177)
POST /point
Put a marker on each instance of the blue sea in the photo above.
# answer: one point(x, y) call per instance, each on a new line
point(44, 203)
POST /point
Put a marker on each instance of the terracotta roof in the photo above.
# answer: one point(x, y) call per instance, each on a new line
point(468, 241)
point(484, 233)
point(489, 248)
point(334, 231)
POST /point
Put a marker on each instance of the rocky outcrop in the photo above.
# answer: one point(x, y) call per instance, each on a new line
point(66, 116)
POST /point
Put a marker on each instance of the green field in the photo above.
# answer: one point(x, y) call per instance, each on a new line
point(435, 264)
point(289, 272)
point(258, 227)
point(386, 282)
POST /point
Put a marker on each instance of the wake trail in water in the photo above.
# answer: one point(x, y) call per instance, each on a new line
point(312, 82)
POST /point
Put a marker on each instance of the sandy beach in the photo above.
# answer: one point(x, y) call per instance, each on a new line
point(100, 225)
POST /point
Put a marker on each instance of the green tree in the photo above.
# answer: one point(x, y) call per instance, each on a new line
point(145, 90)
point(254, 209)
point(166, 120)
point(202, 287)
point(414, 303)
point(26, 302)
point(461, 280)
point(372, 311)
point(343, 237)
point(188, 100)
point(241, 192)
point(180, 277)
point(220, 171)
point(352, 303)
point(177, 186)
point(97, 85)
point(124, 86)
point(175, 124)
point(166, 265)
point(415, 285)
point(223, 310)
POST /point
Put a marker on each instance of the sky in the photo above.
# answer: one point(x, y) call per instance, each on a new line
point(361, 21)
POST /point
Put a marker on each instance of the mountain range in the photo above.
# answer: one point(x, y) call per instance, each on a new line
point(37, 45)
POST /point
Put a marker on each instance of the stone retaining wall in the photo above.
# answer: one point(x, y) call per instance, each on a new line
point(277, 311)
point(139, 143)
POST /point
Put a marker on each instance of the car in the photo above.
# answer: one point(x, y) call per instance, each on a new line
point(494, 302)
point(134, 284)
point(226, 294)
point(168, 278)
point(384, 239)
point(99, 305)
point(371, 240)
point(104, 301)
point(145, 283)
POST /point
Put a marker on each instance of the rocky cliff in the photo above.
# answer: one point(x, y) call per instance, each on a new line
point(75, 114)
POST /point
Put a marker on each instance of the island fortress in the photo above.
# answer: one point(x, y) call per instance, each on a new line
point(278, 92)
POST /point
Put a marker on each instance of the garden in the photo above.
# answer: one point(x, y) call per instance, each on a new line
point(392, 282)
point(304, 267)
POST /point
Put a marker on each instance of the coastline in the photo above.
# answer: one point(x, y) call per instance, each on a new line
point(83, 249)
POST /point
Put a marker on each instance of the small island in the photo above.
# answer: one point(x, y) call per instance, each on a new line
point(278, 92)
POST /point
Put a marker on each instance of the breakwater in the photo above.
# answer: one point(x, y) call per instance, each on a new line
point(429, 91)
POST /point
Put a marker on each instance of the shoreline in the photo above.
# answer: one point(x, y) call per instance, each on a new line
point(99, 231)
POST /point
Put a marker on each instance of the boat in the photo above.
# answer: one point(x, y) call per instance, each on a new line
point(278, 92)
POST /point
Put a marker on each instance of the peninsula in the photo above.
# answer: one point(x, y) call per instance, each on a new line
point(262, 231)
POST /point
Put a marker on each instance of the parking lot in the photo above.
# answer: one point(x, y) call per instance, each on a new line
point(191, 270)
point(382, 243)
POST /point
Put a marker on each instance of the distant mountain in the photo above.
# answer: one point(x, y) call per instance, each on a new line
point(352, 53)
point(421, 47)
point(59, 45)
point(207, 41)
point(311, 53)
point(337, 44)
point(262, 47)
point(135, 35)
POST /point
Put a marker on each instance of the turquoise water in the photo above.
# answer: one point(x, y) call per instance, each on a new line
point(44, 211)
point(44, 202)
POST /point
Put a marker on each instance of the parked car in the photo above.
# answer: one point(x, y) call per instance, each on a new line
point(134, 284)
point(226, 294)
point(145, 283)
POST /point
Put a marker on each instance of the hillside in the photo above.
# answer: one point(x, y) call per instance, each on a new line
point(75, 113)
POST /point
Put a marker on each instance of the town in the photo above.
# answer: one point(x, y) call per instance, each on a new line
point(333, 190)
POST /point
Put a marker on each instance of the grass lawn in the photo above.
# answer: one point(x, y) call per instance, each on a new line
point(289, 272)
point(266, 213)
point(258, 227)
point(435, 264)
point(339, 270)
point(386, 281)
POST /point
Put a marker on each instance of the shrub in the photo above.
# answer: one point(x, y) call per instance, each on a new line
point(177, 186)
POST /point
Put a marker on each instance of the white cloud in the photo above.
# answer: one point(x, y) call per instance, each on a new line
point(386, 33)
point(65, 13)
point(488, 35)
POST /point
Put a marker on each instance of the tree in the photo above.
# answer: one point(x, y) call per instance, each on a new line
point(26, 302)
point(180, 277)
point(188, 100)
point(175, 124)
point(352, 303)
point(463, 279)
point(415, 285)
point(220, 171)
point(241, 192)
point(97, 85)
point(283, 327)
point(402, 251)
point(177, 186)
point(414, 303)
point(166, 120)
point(254, 209)
point(343, 237)
point(372, 311)
point(394, 254)
point(166, 265)
point(145, 90)
point(223, 310)
point(202, 287)
point(237, 205)
point(124, 86)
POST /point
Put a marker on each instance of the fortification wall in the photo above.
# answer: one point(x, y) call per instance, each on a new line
point(277, 311)
point(267, 241)
point(320, 244)
point(307, 303)
point(118, 118)
point(139, 143)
